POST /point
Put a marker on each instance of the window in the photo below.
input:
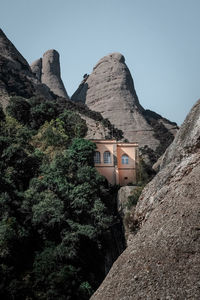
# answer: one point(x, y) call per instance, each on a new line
point(125, 159)
point(97, 157)
point(107, 157)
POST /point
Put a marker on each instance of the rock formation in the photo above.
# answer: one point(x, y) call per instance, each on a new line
point(47, 70)
point(36, 68)
point(163, 259)
point(16, 77)
point(8, 50)
point(110, 91)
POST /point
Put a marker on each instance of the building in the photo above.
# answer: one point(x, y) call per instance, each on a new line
point(117, 161)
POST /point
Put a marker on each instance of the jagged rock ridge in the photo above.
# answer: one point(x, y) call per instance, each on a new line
point(110, 91)
point(163, 259)
point(47, 70)
point(16, 77)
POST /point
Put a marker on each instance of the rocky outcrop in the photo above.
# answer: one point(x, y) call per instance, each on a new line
point(16, 77)
point(51, 73)
point(163, 259)
point(96, 130)
point(110, 91)
point(8, 51)
point(36, 68)
point(122, 198)
point(47, 71)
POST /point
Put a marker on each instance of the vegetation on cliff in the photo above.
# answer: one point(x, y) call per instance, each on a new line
point(54, 206)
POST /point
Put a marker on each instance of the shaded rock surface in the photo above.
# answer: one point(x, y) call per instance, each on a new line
point(47, 70)
point(122, 198)
point(110, 91)
point(36, 68)
point(163, 259)
point(96, 130)
point(16, 77)
point(8, 50)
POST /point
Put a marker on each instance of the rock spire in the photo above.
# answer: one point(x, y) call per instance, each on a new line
point(16, 77)
point(110, 90)
point(47, 70)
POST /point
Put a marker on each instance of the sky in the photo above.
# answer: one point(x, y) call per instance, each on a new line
point(159, 38)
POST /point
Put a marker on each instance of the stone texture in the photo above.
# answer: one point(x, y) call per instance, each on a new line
point(110, 91)
point(36, 68)
point(122, 201)
point(51, 73)
point(8, 50)
point(163, 259)
point(96, 130)
point(122, 198)
point(16, 77)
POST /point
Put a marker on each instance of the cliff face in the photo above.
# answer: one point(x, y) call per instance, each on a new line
point(110, 91)
point(163, 259)
point(16, 77)
point(47, 70)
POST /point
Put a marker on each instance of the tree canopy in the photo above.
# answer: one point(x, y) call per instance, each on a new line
point(54, 206)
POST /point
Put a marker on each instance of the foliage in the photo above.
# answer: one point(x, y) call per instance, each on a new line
point(41, 110)
point(144, 171)
point(135, 195)
point(53, 208)
point(161, 133)
point(2, 115)
point(19, 108)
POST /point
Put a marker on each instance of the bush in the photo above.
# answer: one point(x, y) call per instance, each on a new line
point(133, 198)
point(19, 108)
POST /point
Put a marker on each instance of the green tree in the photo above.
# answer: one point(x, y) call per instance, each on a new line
point(19, 108)
point(53, 208)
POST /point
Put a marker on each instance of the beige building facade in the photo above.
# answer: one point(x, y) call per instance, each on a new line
point(117, 161)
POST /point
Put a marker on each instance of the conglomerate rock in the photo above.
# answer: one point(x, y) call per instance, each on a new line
point(36, 68)
point(47, 70)
point(9, 51)
point(51, 73)
point(110, 90)
point(163, 259)
point(16, 77)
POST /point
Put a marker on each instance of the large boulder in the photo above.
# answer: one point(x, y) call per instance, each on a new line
point(110, 90)
point(163, 259)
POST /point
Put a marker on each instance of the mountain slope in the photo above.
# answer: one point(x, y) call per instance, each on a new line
point(16, 77)
point(110, 91)
point(163, 258)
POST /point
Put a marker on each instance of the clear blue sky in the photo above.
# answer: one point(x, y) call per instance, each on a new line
point(160, 40)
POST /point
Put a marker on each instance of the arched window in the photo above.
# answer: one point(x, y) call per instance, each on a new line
point(97, 157)
point(125, 159)
point(107, 157)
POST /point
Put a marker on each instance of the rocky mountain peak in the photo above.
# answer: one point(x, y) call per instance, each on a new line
point(110, 90)
point(47, 70)
point(111, 58)
point(9, 51)
point(16, 77)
